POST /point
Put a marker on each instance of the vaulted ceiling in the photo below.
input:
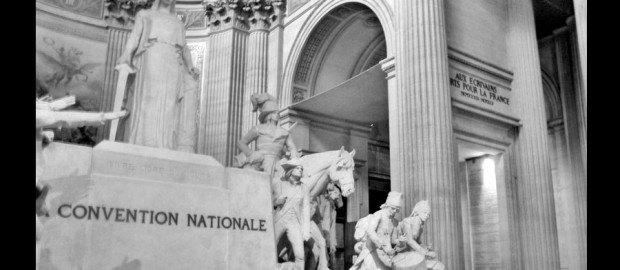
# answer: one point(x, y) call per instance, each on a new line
point(550, 15)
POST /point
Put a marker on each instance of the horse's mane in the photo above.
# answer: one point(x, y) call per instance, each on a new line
point(316, 161)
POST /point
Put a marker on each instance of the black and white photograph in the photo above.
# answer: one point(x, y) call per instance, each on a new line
point(311, 134)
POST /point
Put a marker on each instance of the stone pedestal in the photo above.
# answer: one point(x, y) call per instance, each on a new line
point(422, 151)
point(121, 206)
point(537, 223)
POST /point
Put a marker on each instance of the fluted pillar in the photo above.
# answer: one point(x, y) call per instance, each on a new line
point(117, 38)
point(423, 155)
point(580, 90)
point(222, 99)
point(537, 223)
point(276, 49)
point(581, 18)
point(577, 181)
point(564, 199)
point(256, 65)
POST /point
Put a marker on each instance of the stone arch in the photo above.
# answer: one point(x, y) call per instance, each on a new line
point(381, 9)
point(553, 100)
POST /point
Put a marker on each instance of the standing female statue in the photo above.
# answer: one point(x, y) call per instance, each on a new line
point(414, 256)
point(156, 47)
point(292, 215)
point(270, 138)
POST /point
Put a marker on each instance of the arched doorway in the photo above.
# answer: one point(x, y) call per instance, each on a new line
point(337, 94)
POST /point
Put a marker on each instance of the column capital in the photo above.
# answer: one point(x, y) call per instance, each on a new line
point(224, 14)
point(243, 14)
point(122, 13)
point(262, 13)
point(389, 66)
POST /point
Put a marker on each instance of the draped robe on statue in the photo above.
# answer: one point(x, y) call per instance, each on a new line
point(157, 46)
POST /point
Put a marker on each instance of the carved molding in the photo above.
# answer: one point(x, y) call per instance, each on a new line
point(243, 14)
point(299, 94)
point(122, 13)
point(325, 27)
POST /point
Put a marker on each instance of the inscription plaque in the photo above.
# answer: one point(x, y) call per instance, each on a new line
point(133, 206)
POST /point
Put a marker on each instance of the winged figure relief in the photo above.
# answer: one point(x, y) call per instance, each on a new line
point(66, 65)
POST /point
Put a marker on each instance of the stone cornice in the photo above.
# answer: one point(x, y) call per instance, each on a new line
point(243, 14)
point(122, 13)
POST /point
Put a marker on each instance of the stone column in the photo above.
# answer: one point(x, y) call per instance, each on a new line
point(222, 100)
point(422, 152)
point(564, 210)
point(120, 22)
point(581, 14)
point(256, 65)
point(580, 90)
point(577, 180)
point(537, 223)
point(276, 38)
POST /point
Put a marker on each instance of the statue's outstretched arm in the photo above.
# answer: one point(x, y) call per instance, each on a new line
point(51, 119)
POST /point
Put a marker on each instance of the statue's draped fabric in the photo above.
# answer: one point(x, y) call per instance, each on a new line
point(160, 85)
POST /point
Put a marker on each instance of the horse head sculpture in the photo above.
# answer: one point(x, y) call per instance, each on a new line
point(341, 172)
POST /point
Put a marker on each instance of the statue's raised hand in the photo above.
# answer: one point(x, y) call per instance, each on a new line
point(194, 72)
point(390, 251)
point(431, 254)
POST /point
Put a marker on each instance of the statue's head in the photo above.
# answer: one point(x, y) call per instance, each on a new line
point(267, 105)
point(341, 172)
point(393, 203)
point(422, 209)
point(334, 194)
point(293, 169)
point(165, 3)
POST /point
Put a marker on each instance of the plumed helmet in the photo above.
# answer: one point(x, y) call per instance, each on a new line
point(265, 103)
point(291, 163)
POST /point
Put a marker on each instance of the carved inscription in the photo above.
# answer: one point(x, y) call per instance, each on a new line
point(169, 172)
point(153, 217)
point(475, 90)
